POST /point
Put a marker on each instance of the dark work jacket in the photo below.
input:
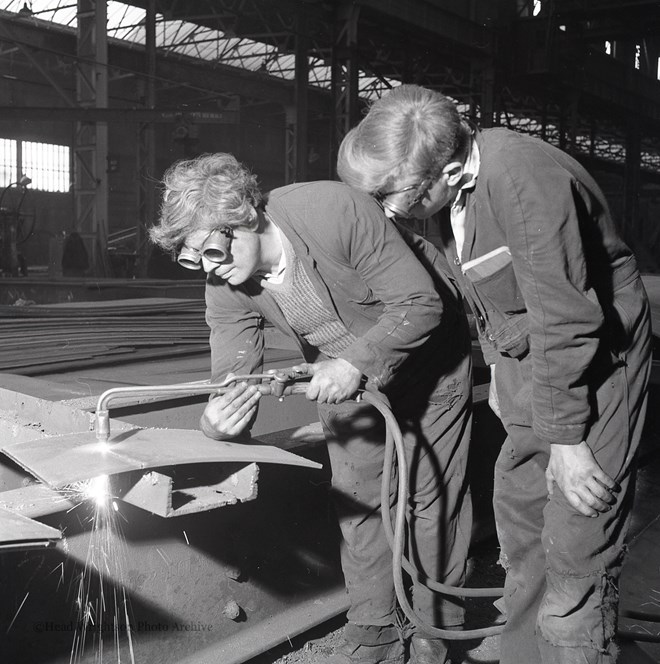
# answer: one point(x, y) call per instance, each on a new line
point(362, 269)
point(555, 298)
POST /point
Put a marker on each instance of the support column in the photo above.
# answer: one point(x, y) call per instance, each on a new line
point(574, 120)
point(297, 117)
point(289, 144)
point(562, 125)
point(91, 138)
point(344, 76)
point(301, 100)
point(146, 152)
point(544, 119)
point(631, 180)
point(482, 106)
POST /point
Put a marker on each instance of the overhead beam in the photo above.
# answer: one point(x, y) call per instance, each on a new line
point(61, 114)
point(207, 77)
point(8, 35)
point(429, 17)
point(592, 8)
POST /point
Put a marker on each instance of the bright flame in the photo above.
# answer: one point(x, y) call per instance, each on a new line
point(98, 490)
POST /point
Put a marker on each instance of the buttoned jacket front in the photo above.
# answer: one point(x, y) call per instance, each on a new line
point(556, 297)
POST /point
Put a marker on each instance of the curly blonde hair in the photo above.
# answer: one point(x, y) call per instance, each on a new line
point(205, 193)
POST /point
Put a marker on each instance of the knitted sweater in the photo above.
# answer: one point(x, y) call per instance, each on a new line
point(303, 309)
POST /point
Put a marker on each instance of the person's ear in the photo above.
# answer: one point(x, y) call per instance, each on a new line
point(260, 218)
point(453, 171)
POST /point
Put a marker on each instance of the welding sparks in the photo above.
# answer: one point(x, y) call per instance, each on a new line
point(163, 556)
point(98, 490)
point(17, 612)
point(103, 621)
point(59, 567)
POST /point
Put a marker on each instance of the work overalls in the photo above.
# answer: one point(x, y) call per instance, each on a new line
point(561, 590)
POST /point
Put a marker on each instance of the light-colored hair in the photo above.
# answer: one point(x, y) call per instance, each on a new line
point(409, 132)
point(205, 193)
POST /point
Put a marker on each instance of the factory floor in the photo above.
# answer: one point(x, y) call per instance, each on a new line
point(640, 587)
point(640, 584)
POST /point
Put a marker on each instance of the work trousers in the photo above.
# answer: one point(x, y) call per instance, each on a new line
point(562, 568)
point(436, 429)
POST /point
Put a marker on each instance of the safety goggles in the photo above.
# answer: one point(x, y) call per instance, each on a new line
point(215, 249)
point(402, 201)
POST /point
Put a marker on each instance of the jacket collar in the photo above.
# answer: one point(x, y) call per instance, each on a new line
point(469, 200)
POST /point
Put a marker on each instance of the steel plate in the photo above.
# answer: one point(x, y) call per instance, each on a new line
point(62, 460)
point(20, 532)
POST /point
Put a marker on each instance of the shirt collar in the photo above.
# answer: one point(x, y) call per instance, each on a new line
point(470, 171)
point(277, 276)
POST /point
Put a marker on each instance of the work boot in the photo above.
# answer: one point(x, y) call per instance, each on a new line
point(428, 651)
point(368, 644)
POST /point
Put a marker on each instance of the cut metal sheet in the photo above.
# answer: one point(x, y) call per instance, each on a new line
point(20, 532)
point(25, 417)
point(204, 488)
point(62, 460)
point(37, 500)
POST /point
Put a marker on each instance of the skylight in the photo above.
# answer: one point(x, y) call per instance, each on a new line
point(126, 23)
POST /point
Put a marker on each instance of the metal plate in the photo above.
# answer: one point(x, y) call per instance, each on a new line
point(20, 532)
point(62, 460)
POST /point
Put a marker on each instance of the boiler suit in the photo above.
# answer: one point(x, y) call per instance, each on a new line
point(564, 317)
point(412, 343)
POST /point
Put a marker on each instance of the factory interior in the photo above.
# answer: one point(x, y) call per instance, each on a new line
point(230, 555)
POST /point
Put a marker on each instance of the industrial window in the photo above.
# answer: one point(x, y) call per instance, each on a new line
point(7, 161)
point(47, 165)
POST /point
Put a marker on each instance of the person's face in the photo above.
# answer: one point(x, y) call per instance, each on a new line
point(438, 195)
point(421, 199)
point(235, 257)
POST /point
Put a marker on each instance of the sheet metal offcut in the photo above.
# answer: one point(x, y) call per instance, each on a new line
point(63, 460)
point(20, 532)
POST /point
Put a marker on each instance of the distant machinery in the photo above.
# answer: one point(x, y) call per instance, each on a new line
point(16, 227)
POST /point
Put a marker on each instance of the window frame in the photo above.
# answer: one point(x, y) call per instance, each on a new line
point(54, 177)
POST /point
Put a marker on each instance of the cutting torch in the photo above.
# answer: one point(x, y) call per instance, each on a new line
point(278, 383)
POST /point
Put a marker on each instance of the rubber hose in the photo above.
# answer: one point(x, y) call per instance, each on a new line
point(396, 538)
point(394, 442)
point(432, 584)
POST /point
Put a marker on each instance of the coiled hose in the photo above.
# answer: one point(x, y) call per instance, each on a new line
point(396, 538)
